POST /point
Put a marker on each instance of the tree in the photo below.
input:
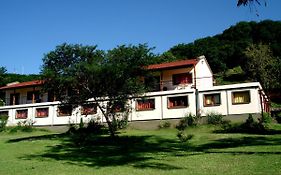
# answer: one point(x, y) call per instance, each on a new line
point(3, 71)
point(248, 2)
point(261, 65)
point(109, 78)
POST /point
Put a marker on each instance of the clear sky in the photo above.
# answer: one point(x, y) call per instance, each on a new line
point(31, 28)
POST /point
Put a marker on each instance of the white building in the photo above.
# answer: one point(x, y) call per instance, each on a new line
point(183, 87)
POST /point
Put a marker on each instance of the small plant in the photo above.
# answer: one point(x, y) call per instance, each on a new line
point(278, 117)
point(120, 121)
point(3, 122)
point(265, 118)
point(81, 124)
point(249, 126)
point(188, 120)
point(24, 126)
point(214, 118)
point(164, 124)
point(183, 137)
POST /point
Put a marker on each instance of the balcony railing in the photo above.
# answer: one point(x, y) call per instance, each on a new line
point(168, 85)
point(19, 101)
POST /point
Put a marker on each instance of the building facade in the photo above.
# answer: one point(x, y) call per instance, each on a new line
point(181, 87)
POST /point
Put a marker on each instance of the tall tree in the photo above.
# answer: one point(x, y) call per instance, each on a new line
point(261, 64)
point(108, 78)
point(3, 70)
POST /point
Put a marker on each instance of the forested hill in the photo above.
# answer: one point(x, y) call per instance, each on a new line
point(247, 51)
point(225, 51)
point(10, 77)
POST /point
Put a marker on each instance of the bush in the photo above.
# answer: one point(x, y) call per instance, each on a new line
point(214, 118)
point(188, 120)
point(249, 126)
point(92, 127)
point(3, 122)
point(266, 118)
point(23, 126)
point(164, 124)
point(278, 117)
point(183, 137)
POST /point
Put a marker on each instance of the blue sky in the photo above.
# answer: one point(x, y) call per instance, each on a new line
point(31, 28)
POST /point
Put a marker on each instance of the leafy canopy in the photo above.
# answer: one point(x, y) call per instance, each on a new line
point(85, 72)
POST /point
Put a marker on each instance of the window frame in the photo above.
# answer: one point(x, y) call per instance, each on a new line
point(23, 111)
point(213, 97)
point(4, 113)
point(38, 112)
point(186, 74)
point(68, 113)
point(177, 106)
point(145, 101)
point(92, 109)
point(239, 103)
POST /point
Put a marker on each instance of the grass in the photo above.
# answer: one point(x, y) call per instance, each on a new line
point(141, 152)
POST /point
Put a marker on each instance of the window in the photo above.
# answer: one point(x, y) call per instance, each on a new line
point(31, 93)
point(89, 109)
point(65, 110)
point(212, 99)
point(178, 102)
point(241, 97)
point(42, 112)
point(4, 113)
point(145, 104)
point(21, 114)
point(183, 78)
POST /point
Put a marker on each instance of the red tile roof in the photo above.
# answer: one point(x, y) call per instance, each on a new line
point(23, 84)
point(174, 64)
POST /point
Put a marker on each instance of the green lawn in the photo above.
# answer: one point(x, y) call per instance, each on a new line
point(141, 152)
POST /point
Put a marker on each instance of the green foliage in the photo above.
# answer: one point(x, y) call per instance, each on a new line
point(183, 137)
point(261, 65)
point(88, 73)
point(226, 52)
point(81, 124)
point(120, 123)
point(23, 126)
point(214, 118)
point(278, 117)
point(11, 77)
point(164, 124)
point(188, 120)
point(251, 126)
point(265, 118)
point(3, 122)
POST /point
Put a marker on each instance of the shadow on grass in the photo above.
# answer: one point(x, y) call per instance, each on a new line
point(102, 151)
point(145, 151)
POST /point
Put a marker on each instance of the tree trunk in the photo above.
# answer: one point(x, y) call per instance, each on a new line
point(110, 127)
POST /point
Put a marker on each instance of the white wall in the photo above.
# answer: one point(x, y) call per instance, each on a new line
point(204, 75)
point(161, 110)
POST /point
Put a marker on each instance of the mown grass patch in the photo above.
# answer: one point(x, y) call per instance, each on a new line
point(141, 152)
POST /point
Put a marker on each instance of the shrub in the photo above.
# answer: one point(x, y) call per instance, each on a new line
point(81, 124)
point(164, 124)
point(278, 117)
point(249, 126)
point(183, 137)
point(24, 126)
point(265, 118)
point(188, 120)
point(214, 118)
point(3, 122)
point(94, 127)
